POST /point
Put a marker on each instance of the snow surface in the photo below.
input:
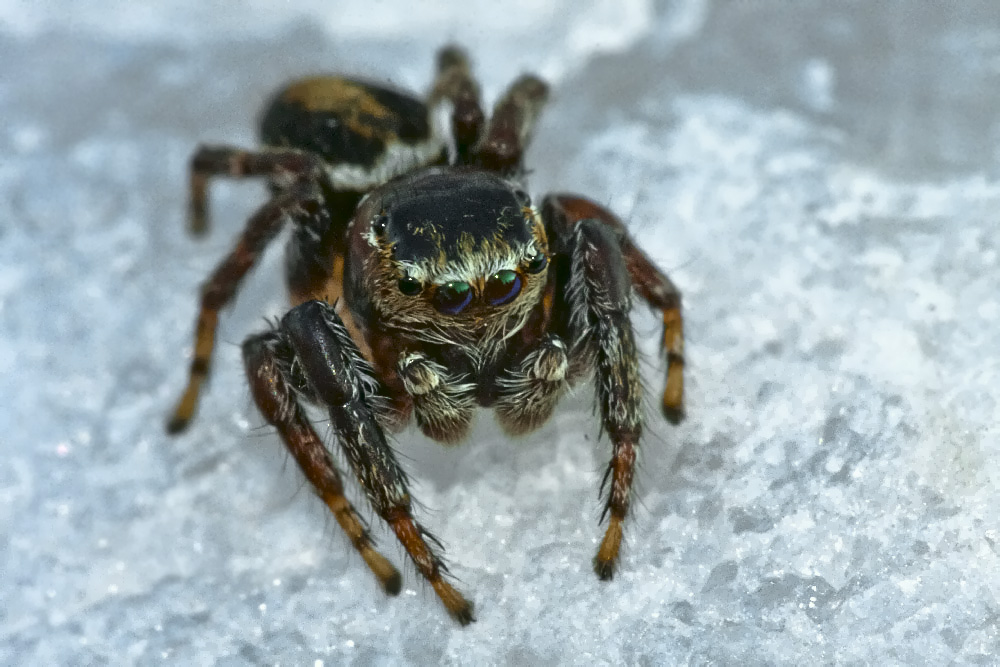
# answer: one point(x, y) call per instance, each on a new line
point(820, 178)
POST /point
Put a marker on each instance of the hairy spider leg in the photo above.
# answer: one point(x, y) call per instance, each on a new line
point(652, 285)
point(455, 84)
point(301, 202)
point(268, 360)
point(279, 164)
point(509, 131)
point(343, 382)
point(599, 294)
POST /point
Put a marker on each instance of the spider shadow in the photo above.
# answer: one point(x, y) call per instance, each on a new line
point(488, 452)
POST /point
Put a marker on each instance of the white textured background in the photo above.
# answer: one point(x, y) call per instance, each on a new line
point(821, 179)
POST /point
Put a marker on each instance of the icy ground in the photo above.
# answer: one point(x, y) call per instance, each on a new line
point(820, 178)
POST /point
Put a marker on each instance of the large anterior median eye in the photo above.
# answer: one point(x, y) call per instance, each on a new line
point(451, 298)
point(502, 287)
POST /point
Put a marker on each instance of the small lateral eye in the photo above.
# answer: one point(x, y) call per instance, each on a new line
point(537, 263)
point(410, 287)
point(380, 222)
point(502, 287)
point(451, 298)
point(523, 198)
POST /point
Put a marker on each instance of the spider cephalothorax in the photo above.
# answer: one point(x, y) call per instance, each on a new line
point(447, 256)
point(425, 284)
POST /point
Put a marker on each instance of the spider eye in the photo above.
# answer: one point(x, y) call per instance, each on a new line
point(452, 297)
point(410, 287)
point(537, 263)
point(502, 287)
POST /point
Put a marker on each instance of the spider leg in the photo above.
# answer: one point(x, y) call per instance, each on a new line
point(268, 361)
point(529, 391)
point(280, 164)
point(509, 131)
point(599, 295)
point(655, 288)
point(301, 202)
point(455, 84)
point(342, 381)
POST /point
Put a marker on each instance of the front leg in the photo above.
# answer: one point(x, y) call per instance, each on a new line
point(342, 381)
point(274, 385)
point(561, 213)
point(599, 296)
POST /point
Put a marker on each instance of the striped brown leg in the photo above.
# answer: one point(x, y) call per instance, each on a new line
point(599, 293)
point(652, 285)
point(283, 166)
point(339, 378)
point(456, 85)
point(277, 402)
point(302, 203)
point(511, 125)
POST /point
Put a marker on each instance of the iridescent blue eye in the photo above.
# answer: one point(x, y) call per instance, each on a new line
point(451, 298)
point(502, 287)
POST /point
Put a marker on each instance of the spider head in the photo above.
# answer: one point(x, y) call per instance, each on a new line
point(453, 251)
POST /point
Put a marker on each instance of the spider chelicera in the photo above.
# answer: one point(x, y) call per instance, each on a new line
point(425, 283)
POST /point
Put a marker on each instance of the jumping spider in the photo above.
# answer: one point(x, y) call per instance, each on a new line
point(425, 283)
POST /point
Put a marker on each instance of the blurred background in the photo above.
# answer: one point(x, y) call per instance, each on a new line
point(819, 178)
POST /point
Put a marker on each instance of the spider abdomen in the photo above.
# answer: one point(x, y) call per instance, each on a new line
point(366, 133)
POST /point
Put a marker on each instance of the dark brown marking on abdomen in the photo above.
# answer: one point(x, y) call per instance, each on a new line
point(343, 121)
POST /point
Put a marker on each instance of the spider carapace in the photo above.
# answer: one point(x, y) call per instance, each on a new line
point(425, 284)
